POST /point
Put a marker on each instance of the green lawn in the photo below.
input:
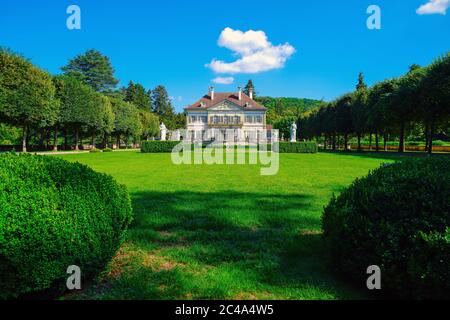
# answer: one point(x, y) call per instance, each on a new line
point(225, 231)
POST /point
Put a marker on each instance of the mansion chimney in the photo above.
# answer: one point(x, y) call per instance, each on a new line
point(211, 92)
point(250, 92)
point(239, 93)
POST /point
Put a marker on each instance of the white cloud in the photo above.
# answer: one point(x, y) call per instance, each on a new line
point(255, 52)
point(434, 6)
point(223, 80)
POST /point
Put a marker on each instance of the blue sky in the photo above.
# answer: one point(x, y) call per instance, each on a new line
point(171, 42)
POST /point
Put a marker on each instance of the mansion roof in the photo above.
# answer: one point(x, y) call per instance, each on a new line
point(205, 102)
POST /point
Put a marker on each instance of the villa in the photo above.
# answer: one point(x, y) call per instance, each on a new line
point(226, 115)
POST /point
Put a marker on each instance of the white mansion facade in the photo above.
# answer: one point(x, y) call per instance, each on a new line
point(226, 115)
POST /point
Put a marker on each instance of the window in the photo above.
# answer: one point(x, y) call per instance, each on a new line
point(258, 119)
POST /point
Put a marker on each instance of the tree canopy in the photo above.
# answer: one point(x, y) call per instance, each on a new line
point(27, 94)
point(94, 69)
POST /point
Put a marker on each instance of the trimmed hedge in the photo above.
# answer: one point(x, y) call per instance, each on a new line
point(157, 146)
point(298, 147)
point(398, 218)
point(54, 214)
point(284, 147)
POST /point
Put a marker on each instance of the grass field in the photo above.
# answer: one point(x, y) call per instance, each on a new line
point(224, 231)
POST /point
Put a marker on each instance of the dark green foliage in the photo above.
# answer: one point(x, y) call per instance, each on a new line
point(158, 146)
point(298, 147)
point(54, 214)
point(94, 69)
point(286, 107)
point(397, 218)
point(27, 94)
point(9, 135)
point(250, 87)
point(162, 105)
point(76, 101)
point(107, 150)
point(136, 94)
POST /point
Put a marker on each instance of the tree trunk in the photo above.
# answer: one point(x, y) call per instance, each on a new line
point(345, 142)
point(55, 139)
point(118, 142)
point(401, 147)
point(385, 138)
point(334, 142)
point(93, 140)
point(370, 141)
point(24, 138)
point(427, 142)
point(65, 139)
point(359, 142)
point(76, 140)
point(430, 138)
point(41, 139)
point(377, 142)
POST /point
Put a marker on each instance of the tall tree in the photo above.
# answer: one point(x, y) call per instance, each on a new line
point(94, 69)
point(249, 87)
point(27, 95)
point(78, 107)
point(359, 115)
point(344, 121)
point(435, 90)
point(150, 124)
point(405, 106)
point(379, 117)
point(162, 105)
point(136, 94)
point(127, 121)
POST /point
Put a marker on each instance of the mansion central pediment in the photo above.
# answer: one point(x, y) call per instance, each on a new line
point(226, 106)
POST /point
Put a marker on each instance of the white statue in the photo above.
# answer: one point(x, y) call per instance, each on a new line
point(294, 132)
point(163, 130)
point(176, 135)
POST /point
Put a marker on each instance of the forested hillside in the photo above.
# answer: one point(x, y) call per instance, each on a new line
point(279, 108)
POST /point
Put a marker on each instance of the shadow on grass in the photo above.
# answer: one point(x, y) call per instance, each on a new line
point(386, 155)
point(223, 245)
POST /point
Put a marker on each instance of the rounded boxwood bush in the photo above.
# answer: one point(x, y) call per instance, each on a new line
point(54, 214)
point(398, 218)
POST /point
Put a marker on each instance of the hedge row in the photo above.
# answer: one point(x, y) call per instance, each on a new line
point(398, 218)
point(284, 147)
point(298, 147)
point(54, 214)
point(158, 146)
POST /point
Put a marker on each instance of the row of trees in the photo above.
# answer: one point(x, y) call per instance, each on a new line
point(418, 100)
point(81, 102)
